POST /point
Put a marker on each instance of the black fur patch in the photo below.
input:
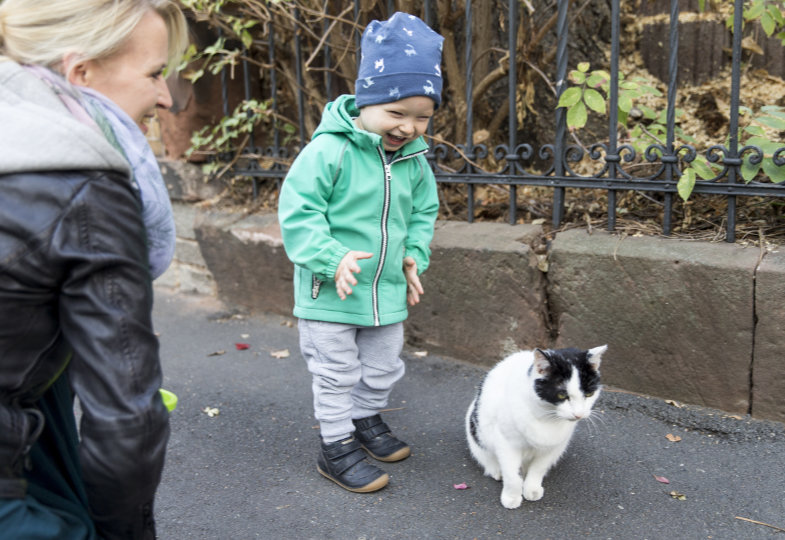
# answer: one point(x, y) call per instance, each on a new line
point(561, 362)
point(473, 417)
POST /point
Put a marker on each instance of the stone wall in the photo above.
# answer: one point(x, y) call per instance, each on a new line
point(694, 322)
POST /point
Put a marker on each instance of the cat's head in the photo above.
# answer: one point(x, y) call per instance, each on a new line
point(568, 380)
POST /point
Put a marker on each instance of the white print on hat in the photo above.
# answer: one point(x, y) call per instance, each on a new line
point(395, 92)
point(368, 82)
point(378, 65)
point(438, 70)
point(410, 50)
point(428, 88)
point(410, 33)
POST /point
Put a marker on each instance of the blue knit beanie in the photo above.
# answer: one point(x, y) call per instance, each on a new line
point(400, 58)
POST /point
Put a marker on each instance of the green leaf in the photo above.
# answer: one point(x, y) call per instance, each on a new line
point(755, 130)
point(570, 97)
point(686, 183)
point(748, 170)
point(770, 121)
point(776, 14)
point(594, 100)
point(246, 38)
point(774, 172)
point(577, 77)
point(584, 66)
point(768, 24)
point(625, 102)
point(648, 112)
point(597, 80)
point(703, 169)
point(577, 115)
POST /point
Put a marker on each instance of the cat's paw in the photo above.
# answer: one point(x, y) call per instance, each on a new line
point(511, 500)
point(533, 493)
point(496, 474)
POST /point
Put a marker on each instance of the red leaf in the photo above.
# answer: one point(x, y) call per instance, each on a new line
point(661, 479)
point(242, 346)
point(462, 485)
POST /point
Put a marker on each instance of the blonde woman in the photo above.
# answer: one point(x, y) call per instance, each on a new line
point(85, 224)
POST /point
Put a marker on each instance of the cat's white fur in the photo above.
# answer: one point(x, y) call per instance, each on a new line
point(518, 430)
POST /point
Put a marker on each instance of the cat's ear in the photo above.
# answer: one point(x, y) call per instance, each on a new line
point(541, 363)
point(595, 356)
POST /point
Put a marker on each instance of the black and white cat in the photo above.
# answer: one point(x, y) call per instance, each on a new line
point(525, 413)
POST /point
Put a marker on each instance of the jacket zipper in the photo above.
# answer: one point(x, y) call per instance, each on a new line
point(383, 254)
point(385, 217)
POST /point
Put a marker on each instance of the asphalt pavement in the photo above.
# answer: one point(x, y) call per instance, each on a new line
point(241, 462)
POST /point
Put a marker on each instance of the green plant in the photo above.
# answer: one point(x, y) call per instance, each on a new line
point(223, 137)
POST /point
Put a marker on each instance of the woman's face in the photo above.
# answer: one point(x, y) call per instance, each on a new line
point(132, 77)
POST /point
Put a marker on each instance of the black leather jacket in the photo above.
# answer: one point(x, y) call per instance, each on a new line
point(76, 298)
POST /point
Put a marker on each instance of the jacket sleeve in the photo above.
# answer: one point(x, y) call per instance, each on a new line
point(105, 313)
point(425, 208)
point(302, 209)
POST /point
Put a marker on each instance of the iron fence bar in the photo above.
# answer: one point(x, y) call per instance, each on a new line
point(733, 143)
point(469, 109)
point(612, 155)
point(512, 120)
point(273, 88)
point(669, 157)
point(328, 75)
point(298, 53)
point(251, 140)
point(739, 189)
point(561, 114)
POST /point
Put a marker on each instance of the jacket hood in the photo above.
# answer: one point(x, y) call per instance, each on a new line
point(38, 133)
point(338, 117)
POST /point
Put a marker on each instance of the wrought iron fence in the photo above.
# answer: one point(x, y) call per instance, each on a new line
point(556, 161)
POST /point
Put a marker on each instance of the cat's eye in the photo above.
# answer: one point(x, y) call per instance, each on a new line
point(561, 396)
point(589, 394)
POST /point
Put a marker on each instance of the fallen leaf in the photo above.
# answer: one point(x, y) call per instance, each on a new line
point(245, 336)
point(211, 411)
point(462, 485)
point(421, 354)
point(678, 496)
point(284, 353)
point(672, 438)
point(674, 403)
point(217, 353)
point(241, 346)
point(661, 479)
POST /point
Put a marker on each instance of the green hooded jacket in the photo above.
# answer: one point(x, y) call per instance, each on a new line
point(342, 194)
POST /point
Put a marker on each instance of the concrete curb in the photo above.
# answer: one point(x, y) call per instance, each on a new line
point(694, 322)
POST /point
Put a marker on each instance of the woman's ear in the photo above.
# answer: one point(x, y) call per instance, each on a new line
point(75, 70)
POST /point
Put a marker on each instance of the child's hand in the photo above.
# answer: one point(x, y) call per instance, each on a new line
point(414, 287)
point(344, 274)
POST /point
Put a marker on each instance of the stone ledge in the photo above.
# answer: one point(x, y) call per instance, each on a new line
point(678, 316)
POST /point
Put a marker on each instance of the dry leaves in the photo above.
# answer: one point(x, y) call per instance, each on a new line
point(283, 353)
point(217, 353)
point(211, 411)
point(672, 438)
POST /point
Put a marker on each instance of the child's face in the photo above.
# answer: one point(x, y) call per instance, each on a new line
point(398, 122)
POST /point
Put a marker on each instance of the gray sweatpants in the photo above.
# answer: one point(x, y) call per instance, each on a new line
point(354, 369)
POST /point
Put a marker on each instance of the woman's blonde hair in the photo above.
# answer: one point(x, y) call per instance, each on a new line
point(43, 32)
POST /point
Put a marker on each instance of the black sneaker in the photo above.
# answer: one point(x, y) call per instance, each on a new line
point(345, 463)
point(375, 437)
